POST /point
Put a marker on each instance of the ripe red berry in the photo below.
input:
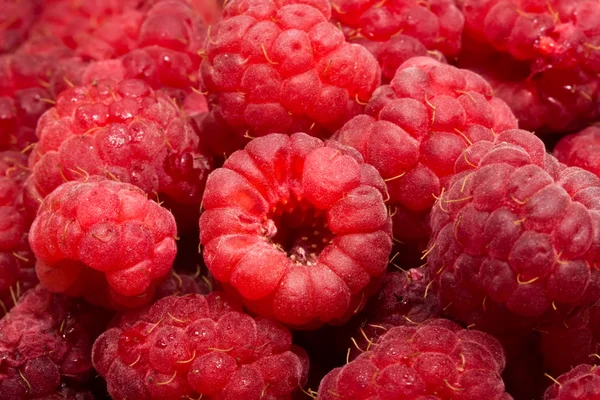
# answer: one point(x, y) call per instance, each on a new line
point(280, 66)
point(104, 241)
point(516, 235)
point(415, 129)
point(397, 30)
point(435, 360)
point(195, 346)
point(581, 150)
point(581, 383)
point(299, 228)
point(15, 22)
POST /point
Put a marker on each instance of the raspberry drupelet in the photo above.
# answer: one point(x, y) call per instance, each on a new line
point(124, 131)
point(581, 383)
point(199, 346)
point(298, 228)
point(17, 272)
point(435, 360)
point(397, 30)
point(416, 127)
point(46, 346)
point(581, 150)
point(104, 241)
point(555, 44)
point(280, 66)
point(516, 236)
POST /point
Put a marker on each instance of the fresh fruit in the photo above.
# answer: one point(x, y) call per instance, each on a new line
point(435, 360)
point(15, 21)
point(279, 66)
point(515, 236)
point(104, 241)
point(554, 46)
point(124, 131)
point(298, 228)
point(191, 346)
point(45, 343)
point(397, 30)
point(581, 150)
point(581, 383)
point(415, 129)
point(17, 273)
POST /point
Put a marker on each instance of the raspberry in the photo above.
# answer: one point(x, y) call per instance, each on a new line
point(182, 283)
point(581, 383)
point(104, 241)
point(191, 346)
point(298, 228)
point(414, 130)
point(17, 273)
point(432, 361)
point(45, 347)
point(15, 22)
point(124, 131)
point(515, 236)
point(581, 150)
point(557, 43)
point(397, 30)
point(279, 66)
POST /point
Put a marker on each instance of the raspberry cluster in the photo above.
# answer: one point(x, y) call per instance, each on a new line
point(103, 240)
point(416, 127)
point(280, 66)
point(298, 228)
point(190, 346)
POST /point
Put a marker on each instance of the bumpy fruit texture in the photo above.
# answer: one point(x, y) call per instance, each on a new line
point(124, 131)
point(581, 150)
point(557, 41)
point(180, 283)
point(199, 346)
point(46, 345)
point(17, 273)
point(434, 360)
point(104, 241)
point(516, 235)
point(415, 129)
point(298, 228)
point(15, 22)
point(279, 66)
point(397, 30)
point(581, 383)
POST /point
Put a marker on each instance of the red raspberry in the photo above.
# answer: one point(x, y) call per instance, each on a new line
point(397, 30)
point(104, 241)
point(298, 228)
point(435, 360)
point(557, 41)
point(182, 283)
point(191, 346)
point(15, 21)
point(414, 130)
point(515, 236)
point(280, 66)
point(124, 131)
point(581, 383)
point(17, 273)
point(581, 150)
point(45, 347)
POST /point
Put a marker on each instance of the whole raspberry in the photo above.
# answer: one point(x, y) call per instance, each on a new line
point(196, 346)
point(45, 347)
point(515, 236)
point(557, 42)
point(104, 241)
point(298, 228)
point(434, 360)
point(581, 383)
point(397, 30)
point(415, 129)
point(280, 66)
point(17, 273)
point(581, 150)
point(15, 21)
point(124, 131)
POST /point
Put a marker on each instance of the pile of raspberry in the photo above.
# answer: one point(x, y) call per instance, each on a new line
point(299, 199)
